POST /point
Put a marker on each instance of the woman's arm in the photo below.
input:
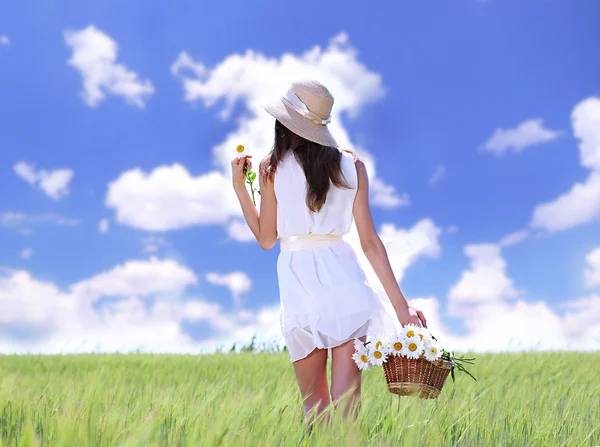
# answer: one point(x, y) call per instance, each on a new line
point(263, 225)
point(377, 255)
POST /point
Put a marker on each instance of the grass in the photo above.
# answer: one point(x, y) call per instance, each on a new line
point(229, 399)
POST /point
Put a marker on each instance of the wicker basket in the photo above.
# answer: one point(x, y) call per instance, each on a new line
point(416, 377)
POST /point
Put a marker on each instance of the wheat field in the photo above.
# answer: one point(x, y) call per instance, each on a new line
point(229, 399)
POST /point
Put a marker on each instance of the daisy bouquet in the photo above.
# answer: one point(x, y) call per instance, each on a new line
point(413, 361)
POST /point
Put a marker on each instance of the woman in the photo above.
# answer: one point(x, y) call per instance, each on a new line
point(310, 192)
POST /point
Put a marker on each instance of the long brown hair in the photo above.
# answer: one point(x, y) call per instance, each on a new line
point(321, 164)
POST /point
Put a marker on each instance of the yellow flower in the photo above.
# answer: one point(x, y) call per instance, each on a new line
point(432, 351)
point(397, 344)
point(413, 347)
point(410, 330)
point(361, 358)
point(240, 151)
point(381, 343)
point(424, 334)
point(377, 357)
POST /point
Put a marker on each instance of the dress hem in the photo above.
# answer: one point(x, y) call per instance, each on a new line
point(329, 348)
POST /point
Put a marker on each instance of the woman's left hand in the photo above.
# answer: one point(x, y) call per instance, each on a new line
point(419, 314)
point(409, 315)
point(237, 170)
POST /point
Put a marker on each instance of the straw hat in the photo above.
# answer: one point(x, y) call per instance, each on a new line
point(305, 109)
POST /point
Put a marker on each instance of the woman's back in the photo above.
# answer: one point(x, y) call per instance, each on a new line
point(293, 215)
point(324, 294)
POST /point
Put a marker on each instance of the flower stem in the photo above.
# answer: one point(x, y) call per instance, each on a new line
point(252, 191)
point(250, 181)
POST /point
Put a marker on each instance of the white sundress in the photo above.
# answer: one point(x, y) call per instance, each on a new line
point(324, 294)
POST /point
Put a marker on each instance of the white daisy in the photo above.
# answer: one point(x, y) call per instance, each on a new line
point(432, 350)
point(381, 343)
point(359, 344)
point(240, 151)
point(410, 330)
point(424, 334)
point(413, 348)
point(397, 343)
point(361, 358)
point(376, 356)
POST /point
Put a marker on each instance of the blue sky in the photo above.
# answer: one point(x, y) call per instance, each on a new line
point(433, 82)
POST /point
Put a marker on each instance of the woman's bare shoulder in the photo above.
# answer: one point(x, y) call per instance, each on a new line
point(360, 165)
point(265, 161)
point(351, 152)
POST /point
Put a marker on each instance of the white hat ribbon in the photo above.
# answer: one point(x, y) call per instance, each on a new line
point(294, 102)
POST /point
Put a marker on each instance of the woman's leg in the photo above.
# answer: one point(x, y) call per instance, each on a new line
point(345, 378)
point(311, 373)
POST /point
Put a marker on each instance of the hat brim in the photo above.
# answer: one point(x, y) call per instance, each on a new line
point(299, 124)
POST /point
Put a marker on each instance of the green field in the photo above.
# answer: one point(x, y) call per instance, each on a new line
point(537, 399)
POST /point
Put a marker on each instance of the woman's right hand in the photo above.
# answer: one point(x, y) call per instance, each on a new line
point(407, 315)
point(237, 170)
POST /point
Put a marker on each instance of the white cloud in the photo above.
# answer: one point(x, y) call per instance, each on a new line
point(26, 253)
point(581, 204)
point(169, 198)
point(123, 326)
point(26, 171)
point(496, 317)
point(516, 326)
point(145, 312)
point(253, 79)
point(584, 319)
point(526, 134)
point(239, 230)
point(103, 226)
point(485, 282)
point(151, 244)
point(586, 127)
point(592, 271)
point(404, 247)
point(4, 40)
point(238, 284)
point(520, 325)
point(144, 306)
point(245, 315)
point(25, 222)
point(139, 278)
point(513, 238)
point(54, 183)
point(439, 174)
point(94, 56)
point(452, 229)
point(385, 196)
point(37, 306)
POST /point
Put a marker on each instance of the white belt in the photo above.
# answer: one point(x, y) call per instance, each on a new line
point(304, 241)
